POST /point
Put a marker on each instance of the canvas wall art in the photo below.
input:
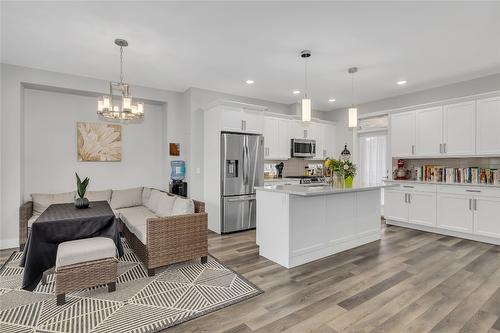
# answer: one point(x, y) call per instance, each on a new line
point(98, 142)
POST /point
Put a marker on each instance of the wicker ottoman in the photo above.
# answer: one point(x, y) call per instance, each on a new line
point(85, 263)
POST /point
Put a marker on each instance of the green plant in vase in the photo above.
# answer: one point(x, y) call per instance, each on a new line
point(349, 171)
point(335, 167)
point(81, 188)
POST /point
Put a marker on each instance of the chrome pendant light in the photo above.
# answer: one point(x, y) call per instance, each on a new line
point(353, 111)
point(127, 110)
point(306, 102)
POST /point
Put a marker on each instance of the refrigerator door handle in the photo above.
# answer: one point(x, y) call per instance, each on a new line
point(250, 214)
point(247, 161)
point(242, 198)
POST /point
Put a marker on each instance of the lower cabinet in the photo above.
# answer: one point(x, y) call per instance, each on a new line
point(462, 211)
point(454, 212)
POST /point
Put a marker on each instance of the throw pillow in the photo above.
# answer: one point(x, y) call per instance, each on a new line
point(154, 198)
point(165, 205)
point(126, 198)
point(183, 206)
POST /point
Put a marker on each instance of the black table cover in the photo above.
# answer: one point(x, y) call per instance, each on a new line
point(60, 223)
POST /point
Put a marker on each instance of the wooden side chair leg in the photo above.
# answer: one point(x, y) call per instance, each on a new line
point(61, 299)
point(204, 259)
point(111, 287)
point(151, 272)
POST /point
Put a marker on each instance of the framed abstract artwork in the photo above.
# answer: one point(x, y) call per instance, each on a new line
point(99, 142)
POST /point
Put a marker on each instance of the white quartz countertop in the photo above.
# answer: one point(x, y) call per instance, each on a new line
point(321, 189)
point(284, 179)
point(390, 181)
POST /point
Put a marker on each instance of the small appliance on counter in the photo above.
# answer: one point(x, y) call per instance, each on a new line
point(177, 185)
point(279, 169)
point(401, 173)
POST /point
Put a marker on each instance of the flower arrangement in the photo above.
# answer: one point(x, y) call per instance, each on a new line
point(346, 170)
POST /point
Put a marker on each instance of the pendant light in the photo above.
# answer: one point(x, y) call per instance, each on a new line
point(128, 110)
point(353, 111)
point(306, 102)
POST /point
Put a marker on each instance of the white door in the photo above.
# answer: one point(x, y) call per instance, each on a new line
point(395, 206)
point(330, 140)
point(403, 134)
point(232, 119)
point(487, 126)
point(487, 216)
point(372, 157)
point(454, 212)
point(271, 133)
point(422, 208)
point(429, 131)
point(459, 131)
point(253, 122)
point(284, 138)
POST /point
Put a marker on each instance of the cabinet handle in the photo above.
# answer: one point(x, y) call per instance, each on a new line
point(406, 197)
point(475, 191)
point(440, 148)
point(475, 204)
point(470, 204)
point(444, 148)
point(408, 186)
point(413, 149)
point(409, 198)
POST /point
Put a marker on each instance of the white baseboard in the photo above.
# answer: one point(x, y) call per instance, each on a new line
point(9, 243)
point(446, 232)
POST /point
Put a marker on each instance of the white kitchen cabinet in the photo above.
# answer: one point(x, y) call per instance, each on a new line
point(403, 134)
point(253, 121)
point(422, 208)
point(487, 126)
point(459, 129)
point(395, 205)
point(454, 212)
point(429, 131)
point(330, 140)
point(301, 130)
point(271, 137)
point(236, 119)
point(284, 138)
point(318, 134)
point(487, 216)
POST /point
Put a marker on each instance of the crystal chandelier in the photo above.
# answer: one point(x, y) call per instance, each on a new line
point(108, 109)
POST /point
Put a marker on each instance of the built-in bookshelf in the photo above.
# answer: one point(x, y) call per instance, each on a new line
point(470, 170)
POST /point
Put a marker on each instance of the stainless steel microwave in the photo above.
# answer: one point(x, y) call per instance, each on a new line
point(303, 148)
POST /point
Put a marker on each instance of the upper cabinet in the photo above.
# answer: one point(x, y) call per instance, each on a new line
point(453, 130)
point(429, 131)
point(403, 134)
point(276, 138)
point(459, 129)
point(488, 126)
point(236, 119)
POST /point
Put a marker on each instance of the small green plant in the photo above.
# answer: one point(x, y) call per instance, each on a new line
point(81, 187)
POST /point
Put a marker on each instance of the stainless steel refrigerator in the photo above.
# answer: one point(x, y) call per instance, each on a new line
point(242, 168)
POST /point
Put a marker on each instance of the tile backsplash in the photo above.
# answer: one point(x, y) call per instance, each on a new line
point(294, 166)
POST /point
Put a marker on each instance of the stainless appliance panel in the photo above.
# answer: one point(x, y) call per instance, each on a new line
point(255, 169)
point(303, 148)
point(233, 164)
point(239, 213)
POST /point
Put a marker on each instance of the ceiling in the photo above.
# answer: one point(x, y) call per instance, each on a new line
point(219, 45)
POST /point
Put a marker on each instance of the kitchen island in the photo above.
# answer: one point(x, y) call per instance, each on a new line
point(297, 224)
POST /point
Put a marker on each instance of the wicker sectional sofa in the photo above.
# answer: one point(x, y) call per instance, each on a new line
point(161, 228)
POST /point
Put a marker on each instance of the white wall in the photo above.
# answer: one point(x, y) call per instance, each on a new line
point(482, 85)
point(14, 97)
point(50, 154)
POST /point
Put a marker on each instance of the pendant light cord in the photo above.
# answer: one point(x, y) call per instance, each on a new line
point(352, 90)
point(305, 77)
point(121, 64)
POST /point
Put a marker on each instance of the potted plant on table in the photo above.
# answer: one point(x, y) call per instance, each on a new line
point(81, 188)
point(349, 171)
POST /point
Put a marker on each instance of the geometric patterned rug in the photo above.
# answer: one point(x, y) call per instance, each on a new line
point(176, 294)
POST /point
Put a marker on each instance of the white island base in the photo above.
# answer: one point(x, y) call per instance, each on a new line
point(294, 229)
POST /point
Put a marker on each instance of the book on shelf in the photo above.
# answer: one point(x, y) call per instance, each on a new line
point(470, 175)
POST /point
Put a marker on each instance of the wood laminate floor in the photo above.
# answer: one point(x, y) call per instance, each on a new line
point(410, 281)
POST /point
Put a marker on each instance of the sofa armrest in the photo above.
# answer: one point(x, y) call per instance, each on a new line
point(180, 237)
point(25, 213)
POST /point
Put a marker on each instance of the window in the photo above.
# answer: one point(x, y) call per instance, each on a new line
point(373, 158)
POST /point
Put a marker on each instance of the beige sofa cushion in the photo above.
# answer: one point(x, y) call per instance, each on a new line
point(165, 205)
point(146, 193)
point(153, 200)
point(182, 206)
point(83, 250)
point(126, 198)
point(104, 195)
point(135, 220)
point(41, 201)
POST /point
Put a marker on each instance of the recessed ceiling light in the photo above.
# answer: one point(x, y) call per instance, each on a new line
point(331, 100)
point(296, 92)
point(249, 81)
point(401, 82)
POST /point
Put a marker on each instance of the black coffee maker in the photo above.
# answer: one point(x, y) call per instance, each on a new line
point(279, 169)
